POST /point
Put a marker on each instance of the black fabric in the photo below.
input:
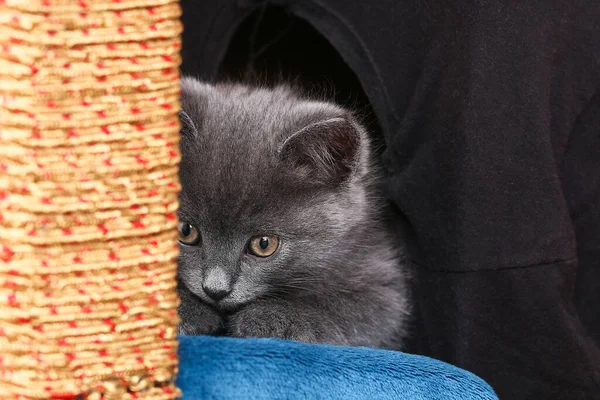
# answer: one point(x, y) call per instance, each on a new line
point(491, 118)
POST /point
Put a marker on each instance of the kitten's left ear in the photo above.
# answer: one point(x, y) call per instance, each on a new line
point(188, 128)
point(327, 152)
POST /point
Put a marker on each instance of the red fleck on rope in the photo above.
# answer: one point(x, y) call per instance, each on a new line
point(89, 96)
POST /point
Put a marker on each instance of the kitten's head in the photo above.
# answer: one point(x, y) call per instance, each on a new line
point(272, 185)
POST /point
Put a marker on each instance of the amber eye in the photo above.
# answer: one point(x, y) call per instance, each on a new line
point(188, 234)
point(263, 246)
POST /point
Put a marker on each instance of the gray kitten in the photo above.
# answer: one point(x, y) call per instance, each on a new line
point(280, 229)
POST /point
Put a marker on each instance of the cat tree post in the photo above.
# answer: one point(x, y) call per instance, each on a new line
point(89, 97)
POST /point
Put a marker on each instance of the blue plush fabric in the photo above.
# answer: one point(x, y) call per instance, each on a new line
point(226, 368)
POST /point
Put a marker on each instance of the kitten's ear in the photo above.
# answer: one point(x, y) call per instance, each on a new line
point(188, 128)
point(327, 152)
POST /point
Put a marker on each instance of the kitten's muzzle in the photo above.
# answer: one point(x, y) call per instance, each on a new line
point(215, 294)
point(217, 284)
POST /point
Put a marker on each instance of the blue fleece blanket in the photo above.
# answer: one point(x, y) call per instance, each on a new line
point(226, 368)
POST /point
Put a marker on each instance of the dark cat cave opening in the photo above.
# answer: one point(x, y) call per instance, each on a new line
point(272, 45)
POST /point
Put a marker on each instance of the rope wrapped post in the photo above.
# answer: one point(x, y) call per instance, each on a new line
point(89, 135)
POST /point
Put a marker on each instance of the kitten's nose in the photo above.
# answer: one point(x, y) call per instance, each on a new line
point(216, 283)
point(215, 293)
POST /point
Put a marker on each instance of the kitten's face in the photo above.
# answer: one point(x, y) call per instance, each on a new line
point(258, 212)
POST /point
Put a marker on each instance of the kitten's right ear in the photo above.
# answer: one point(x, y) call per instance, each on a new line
point(325, 152)
point(188, 128)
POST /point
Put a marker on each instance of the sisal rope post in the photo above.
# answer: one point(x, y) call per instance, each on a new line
point(89, 135)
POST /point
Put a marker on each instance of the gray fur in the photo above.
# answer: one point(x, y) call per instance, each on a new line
point(263, 161)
